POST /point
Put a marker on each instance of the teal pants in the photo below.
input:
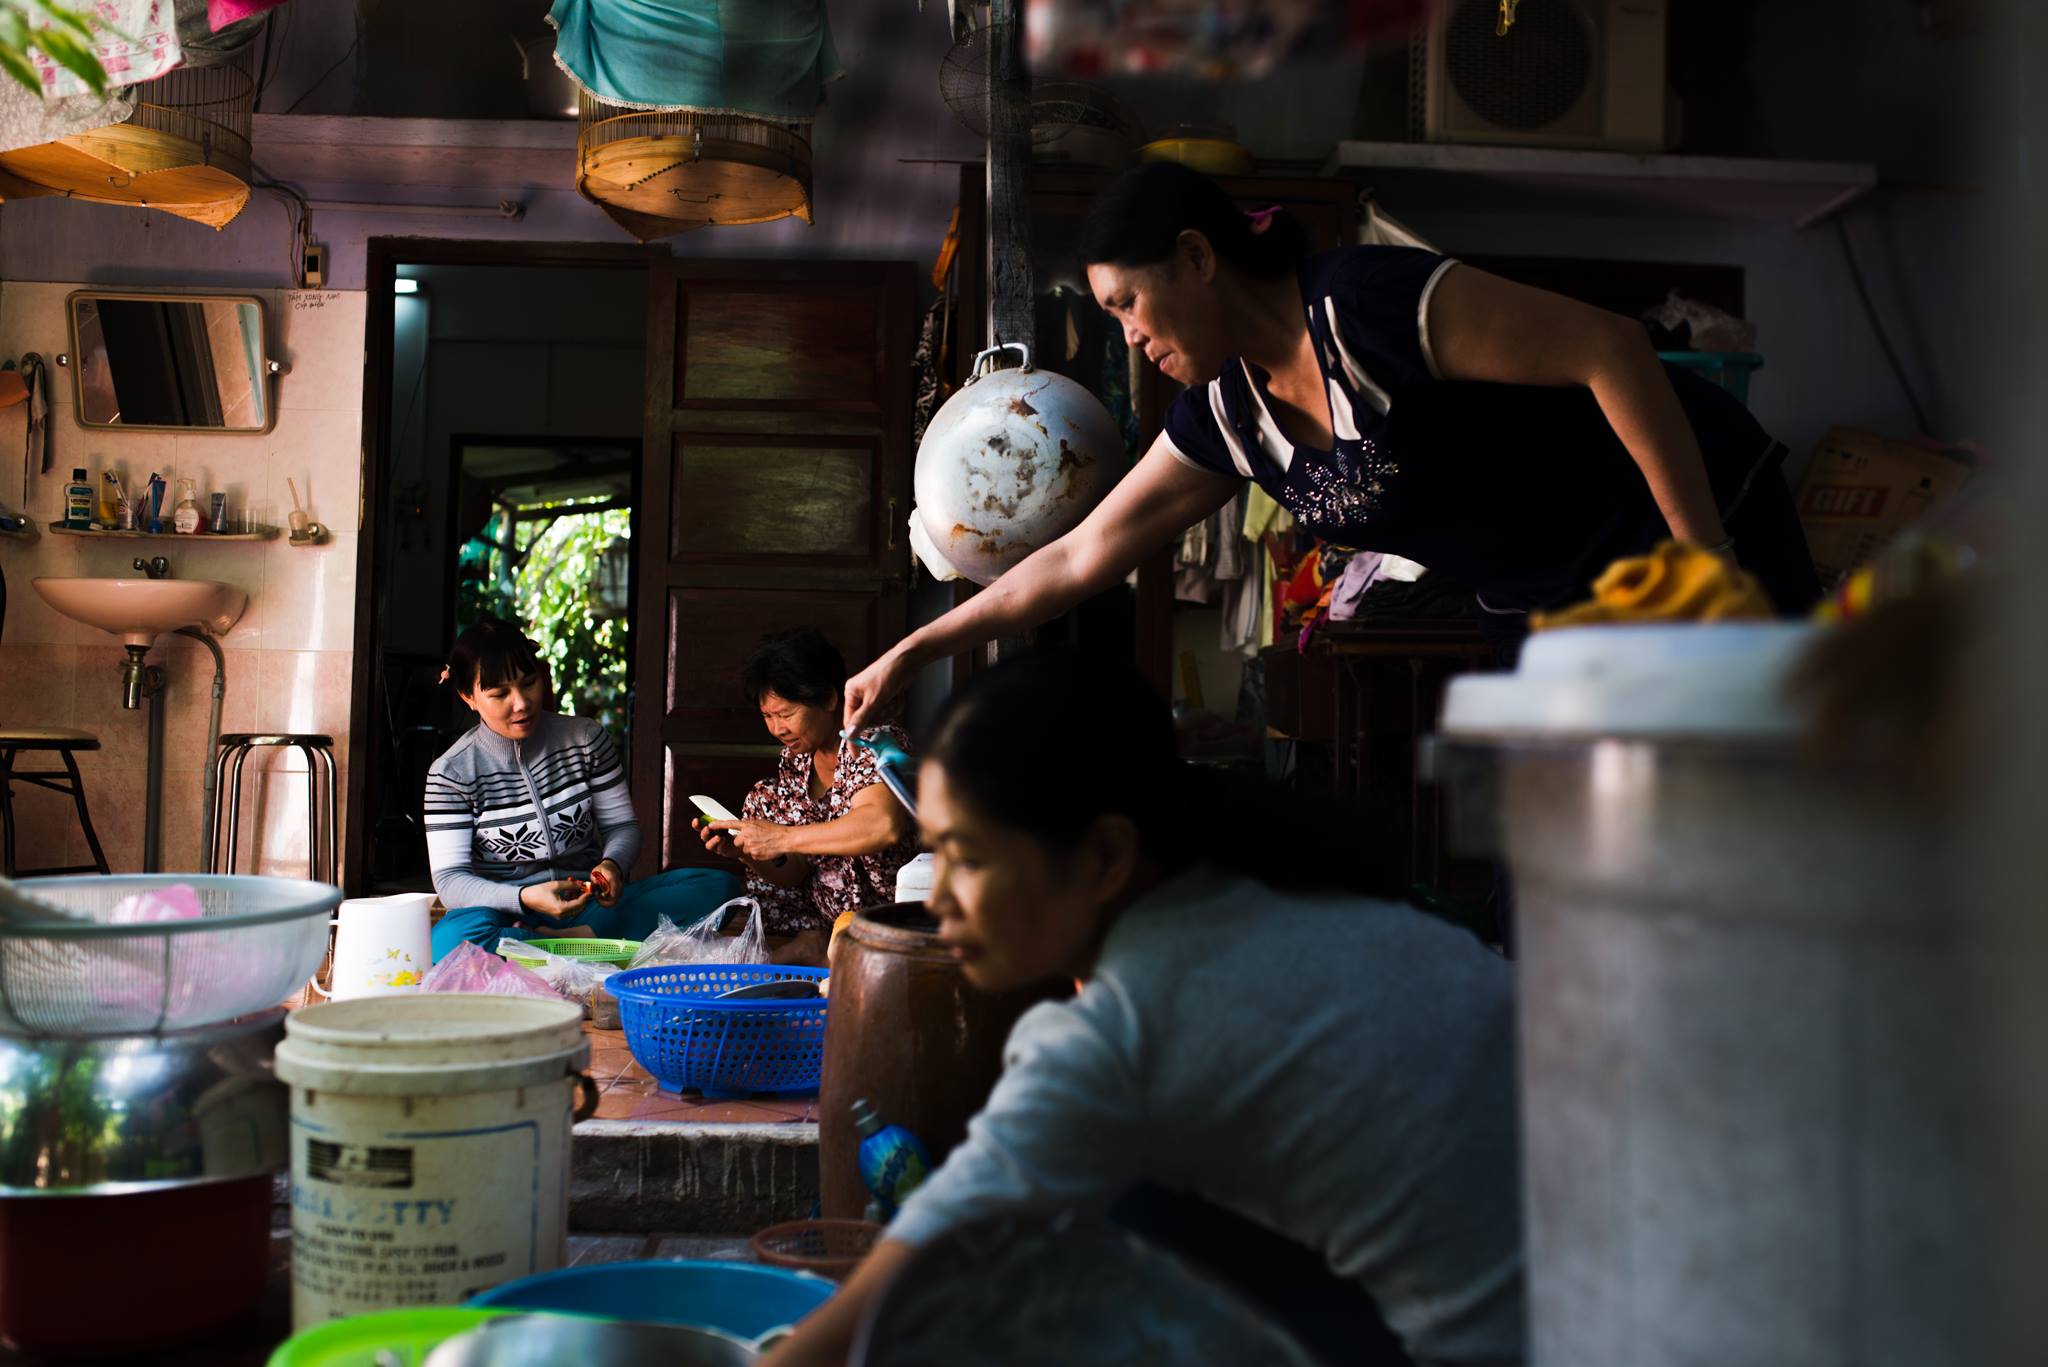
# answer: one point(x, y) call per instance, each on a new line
point(682, 895)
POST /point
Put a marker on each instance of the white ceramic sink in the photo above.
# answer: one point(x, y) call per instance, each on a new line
point(140, 610)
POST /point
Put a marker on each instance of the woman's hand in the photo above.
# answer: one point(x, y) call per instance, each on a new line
point(717, 842)
point(878, 683)
point(607, 881)
point(1158, 500)
point(557, 901)
point(762, 842)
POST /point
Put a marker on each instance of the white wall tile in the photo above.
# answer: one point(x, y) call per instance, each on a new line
point(321, 333)
point(323, 452)
point(309, 598)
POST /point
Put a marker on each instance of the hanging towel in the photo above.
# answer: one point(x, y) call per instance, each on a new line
point(767, 58)
point(147, 46)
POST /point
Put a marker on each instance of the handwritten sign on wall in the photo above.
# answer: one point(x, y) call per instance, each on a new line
point(302, 301)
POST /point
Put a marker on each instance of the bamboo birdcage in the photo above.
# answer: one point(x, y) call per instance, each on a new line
point(185, 149)
point(663, 171)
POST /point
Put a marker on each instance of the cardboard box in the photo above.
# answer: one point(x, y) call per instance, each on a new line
point(1861, 489)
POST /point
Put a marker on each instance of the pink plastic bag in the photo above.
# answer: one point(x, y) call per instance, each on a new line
point(177, 902)
point(472, 968)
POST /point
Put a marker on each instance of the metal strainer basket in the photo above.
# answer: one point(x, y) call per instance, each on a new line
point(256, 941)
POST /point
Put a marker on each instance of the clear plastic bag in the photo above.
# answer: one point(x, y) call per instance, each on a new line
point(1704, 327)
point(702, 943)
point(578, 980)
point(472, 968)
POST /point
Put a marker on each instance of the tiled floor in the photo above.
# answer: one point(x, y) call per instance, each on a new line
point(629, 1093)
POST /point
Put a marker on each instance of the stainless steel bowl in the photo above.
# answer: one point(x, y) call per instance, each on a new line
point(142, 1112)
point(544, 1341)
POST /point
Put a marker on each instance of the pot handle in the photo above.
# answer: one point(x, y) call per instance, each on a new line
point(586, 1098)
point(974, 372)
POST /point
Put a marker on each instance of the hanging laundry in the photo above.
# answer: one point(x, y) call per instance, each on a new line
point(767, 58)
point(1207, 39)
point(29, 120)
point(137, 40)
point(221, 13)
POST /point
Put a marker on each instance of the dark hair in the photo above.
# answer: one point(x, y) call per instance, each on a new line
point(1138, 220)
point(798, 664)
point(490, 653)
point(1049, 743)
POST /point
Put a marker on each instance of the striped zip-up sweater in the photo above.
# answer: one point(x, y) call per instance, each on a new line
point(502, 814)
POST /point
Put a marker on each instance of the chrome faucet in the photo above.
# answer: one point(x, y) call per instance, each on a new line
point(158, 568)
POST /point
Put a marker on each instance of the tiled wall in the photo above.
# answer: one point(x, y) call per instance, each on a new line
point(288, 658)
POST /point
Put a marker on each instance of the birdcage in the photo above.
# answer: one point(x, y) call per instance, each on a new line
point(662, 171)
point(184, 149)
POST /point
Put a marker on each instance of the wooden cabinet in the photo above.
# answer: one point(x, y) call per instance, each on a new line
point(1357, 704)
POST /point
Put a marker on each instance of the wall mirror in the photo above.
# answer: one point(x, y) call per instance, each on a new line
point(171, 361)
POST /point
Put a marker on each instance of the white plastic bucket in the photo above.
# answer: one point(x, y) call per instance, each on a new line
point(383, 946)
point(430, 1146)
point(914, 880)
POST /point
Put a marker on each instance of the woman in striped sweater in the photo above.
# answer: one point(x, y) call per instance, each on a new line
point(530, 828)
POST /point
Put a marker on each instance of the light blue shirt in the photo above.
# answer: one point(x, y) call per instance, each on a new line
point(1336, 1069)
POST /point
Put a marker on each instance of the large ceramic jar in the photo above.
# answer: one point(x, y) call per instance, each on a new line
point(907, 1032)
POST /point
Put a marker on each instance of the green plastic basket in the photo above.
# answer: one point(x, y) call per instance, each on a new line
point(584, 950)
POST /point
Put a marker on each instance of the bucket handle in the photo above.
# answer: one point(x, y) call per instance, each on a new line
point(586, 1098)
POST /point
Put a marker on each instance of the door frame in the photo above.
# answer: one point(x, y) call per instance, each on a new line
point(384, 256)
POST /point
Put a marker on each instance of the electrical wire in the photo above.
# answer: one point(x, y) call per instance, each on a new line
point(1877, 326)
point(308, 91)
point(301, 222)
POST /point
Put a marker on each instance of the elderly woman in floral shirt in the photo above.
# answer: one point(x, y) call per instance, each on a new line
point(824, 835)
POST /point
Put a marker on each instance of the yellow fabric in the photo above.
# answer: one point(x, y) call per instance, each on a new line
point(1262, 514)
point(1673, 583)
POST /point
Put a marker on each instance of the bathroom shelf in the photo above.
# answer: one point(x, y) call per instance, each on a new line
point(260, 534)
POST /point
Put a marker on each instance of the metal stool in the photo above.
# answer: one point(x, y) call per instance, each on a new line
point(64, 741)
point(319, 753)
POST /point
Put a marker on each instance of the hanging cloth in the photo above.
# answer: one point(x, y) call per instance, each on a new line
point(770, 59)
point(136, 41)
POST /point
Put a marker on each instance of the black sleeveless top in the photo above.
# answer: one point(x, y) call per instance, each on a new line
point(1521, 491)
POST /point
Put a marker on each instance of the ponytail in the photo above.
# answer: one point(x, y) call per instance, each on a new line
point(1138, 221)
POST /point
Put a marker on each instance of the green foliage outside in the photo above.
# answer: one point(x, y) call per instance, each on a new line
point(62, 34)
point(547, 580)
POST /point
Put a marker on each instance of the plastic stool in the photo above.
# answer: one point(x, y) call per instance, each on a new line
point(319, 753)
point(65, 742)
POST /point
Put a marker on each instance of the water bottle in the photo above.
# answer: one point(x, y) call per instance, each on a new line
point(892, 1161)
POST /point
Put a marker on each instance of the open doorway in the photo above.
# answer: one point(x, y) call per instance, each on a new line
point(502, 476)
point(543, 536)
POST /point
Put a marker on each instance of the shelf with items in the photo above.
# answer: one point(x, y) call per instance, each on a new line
point(1418, 177)
point(260, 534)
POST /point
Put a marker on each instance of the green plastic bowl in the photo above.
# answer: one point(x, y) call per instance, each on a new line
point(406, 1335)
point(583, 949)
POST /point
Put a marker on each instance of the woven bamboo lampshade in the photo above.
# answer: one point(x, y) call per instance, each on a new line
point(185, 149)
point(663, 171)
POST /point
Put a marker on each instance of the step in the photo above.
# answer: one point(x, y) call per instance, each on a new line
point(647, 1176)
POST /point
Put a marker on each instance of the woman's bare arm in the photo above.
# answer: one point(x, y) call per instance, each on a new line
point(1160, 498)
point(826, 1336)
point(1482, 327)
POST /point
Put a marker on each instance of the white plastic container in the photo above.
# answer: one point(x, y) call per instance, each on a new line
point(914, 880)
point(382, 945)
point(430, 1146)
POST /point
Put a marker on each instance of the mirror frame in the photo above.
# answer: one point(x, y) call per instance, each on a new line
point(272, 368)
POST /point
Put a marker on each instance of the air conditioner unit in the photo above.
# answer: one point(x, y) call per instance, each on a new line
point(1569, 73)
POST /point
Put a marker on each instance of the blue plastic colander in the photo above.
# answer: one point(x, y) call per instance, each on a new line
point(680, 1032)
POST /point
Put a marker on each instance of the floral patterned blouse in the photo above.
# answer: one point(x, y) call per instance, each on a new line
point(838, 882)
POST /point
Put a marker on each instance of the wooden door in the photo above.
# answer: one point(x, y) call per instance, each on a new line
point(775, 488)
